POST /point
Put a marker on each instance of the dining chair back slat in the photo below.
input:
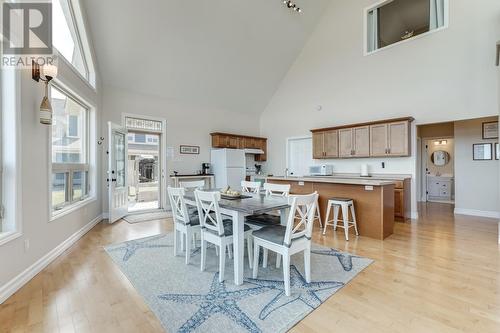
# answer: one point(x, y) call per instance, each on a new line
point(197, 184)
point(281, 190)
point(178, 205)
point(209, 211)
point(250, 187)
point(303, 210)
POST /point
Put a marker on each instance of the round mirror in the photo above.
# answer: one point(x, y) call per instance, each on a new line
point(440, 158)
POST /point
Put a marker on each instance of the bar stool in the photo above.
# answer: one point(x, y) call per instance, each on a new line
point(344, 204)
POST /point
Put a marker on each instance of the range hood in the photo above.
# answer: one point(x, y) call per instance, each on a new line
point(254, 151)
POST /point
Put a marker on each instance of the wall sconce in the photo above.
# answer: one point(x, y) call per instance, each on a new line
point(45, 74)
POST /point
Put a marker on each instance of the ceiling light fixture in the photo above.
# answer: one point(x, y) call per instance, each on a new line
point(290, 5)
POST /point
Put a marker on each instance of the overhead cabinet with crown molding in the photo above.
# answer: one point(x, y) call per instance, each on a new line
point(235, 141)
point(387, 138)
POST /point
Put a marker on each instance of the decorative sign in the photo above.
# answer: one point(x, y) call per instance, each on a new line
point(482, 151)
point(490, 130)
point(191, 150)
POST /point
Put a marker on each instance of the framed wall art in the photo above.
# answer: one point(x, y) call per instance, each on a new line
point(482, 151)
point(190, 150)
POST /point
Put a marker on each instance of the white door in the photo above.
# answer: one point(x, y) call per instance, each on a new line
point(117, 172)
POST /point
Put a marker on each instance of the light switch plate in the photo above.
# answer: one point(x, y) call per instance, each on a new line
point(368, 188)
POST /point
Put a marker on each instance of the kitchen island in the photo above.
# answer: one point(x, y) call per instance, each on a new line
point(373, 199)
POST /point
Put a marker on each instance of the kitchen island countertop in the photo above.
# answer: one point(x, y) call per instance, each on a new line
point(336, 180)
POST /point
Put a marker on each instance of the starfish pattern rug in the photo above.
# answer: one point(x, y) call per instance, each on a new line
point(187, 300)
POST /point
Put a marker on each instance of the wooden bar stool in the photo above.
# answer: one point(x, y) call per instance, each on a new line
point(344, 204)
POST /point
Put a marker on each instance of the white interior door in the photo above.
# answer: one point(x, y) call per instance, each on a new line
point(117, 172)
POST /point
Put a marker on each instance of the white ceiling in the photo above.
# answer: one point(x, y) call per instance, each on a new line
point(229, 54)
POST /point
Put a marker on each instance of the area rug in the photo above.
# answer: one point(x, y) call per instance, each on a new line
point(187, 300)
point(136, 218)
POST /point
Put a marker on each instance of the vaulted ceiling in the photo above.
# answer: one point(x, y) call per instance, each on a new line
point(229, 54)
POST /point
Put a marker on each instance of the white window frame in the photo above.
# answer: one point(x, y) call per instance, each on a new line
point(83, 43)
point(70, 168)
point(382, 3)
point(10, 106)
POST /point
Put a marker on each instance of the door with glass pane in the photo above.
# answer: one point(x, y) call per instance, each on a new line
point(117, 172)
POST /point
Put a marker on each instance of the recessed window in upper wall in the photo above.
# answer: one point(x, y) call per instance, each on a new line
point(395, 21)
point(69, 37)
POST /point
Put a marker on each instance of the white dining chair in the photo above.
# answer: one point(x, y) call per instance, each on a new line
point(280, 190)
point(192, 185)
point(290, 239)
point(250, 187)
point(186, 224)
point(217, 231)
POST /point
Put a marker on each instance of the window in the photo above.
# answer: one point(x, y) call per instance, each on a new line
point(70, 150)
point(143, 124)
point(140, 138)
point(67, 37)
point(395, 21)
point(10, 180)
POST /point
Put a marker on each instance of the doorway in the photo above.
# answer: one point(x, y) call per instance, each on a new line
point(146, 163)
point(143, 171)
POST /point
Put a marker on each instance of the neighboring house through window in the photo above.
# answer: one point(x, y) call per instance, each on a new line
point(70, 150)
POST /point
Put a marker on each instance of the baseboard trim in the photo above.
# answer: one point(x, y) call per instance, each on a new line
point(475, 212)
point(20, 280)
point(414, 215)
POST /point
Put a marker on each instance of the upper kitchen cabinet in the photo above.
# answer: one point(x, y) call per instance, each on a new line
point(386, 138)
point(325, 145)
point(354, 142)
point(234, 141)
point(390, 139)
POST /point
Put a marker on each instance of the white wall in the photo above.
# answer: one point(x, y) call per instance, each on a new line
point(476, 182)
point(186, 124)
point(43, 236)
point(448, 75)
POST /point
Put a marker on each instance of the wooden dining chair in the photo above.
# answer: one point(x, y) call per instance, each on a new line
point(217, 231)
point(250, 187)
point(186, 224)
point(288, 240)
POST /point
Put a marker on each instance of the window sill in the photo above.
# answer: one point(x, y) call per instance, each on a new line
point(7, 237)
point(70, 209)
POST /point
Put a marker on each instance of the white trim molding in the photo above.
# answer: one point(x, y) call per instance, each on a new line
point(475, 212)
point(19, 281)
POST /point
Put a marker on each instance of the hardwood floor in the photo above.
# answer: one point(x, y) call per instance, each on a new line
point(440, 274)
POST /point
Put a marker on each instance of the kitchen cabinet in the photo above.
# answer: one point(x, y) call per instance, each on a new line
point(383, 138)
point(439, 188)
point(325, 145)
point(354, 142)
point(391, 139)
point(378, 140)
point(398, 138)
point(234, 141)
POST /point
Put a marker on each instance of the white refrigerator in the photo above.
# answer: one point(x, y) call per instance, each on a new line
point(229, 167)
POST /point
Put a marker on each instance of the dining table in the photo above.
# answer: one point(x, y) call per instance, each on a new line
point(238, 209)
